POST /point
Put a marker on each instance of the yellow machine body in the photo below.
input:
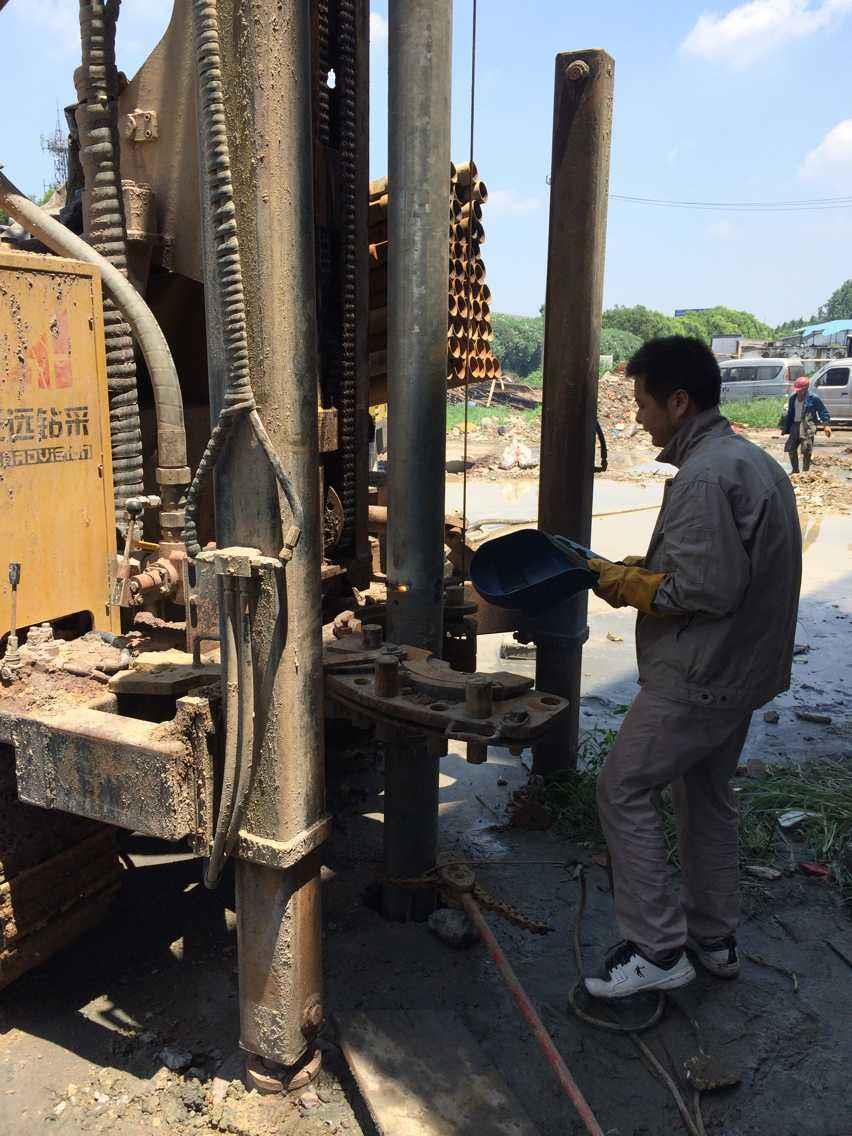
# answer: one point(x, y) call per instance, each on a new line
point(56, 494)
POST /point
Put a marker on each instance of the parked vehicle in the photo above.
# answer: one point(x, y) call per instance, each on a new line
point(833, 384)
point(755, 377)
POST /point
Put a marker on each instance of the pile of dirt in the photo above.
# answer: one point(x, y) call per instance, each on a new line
point(616, 406)
point(819, 492)
point(199, 1101)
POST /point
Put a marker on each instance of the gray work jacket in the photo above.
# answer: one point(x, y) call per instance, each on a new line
point(729, 540)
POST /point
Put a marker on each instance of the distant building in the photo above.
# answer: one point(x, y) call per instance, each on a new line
point(738, 346)
point(829, 339)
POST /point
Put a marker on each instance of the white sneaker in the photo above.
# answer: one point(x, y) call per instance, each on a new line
point(719, 956)
point(629, 972)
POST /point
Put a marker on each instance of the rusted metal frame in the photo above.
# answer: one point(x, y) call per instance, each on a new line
point(340, 43)
point(579, 185)
point(150, 777)
point(515, 720)
point(31, 899)
point(268, 79)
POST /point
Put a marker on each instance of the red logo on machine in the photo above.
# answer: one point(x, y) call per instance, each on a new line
point(49, 358)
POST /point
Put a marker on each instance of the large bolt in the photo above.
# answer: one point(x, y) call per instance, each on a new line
point(576, 70)
point(386, 670)
point(371, 636)
point(477, 753)
point(479, 697)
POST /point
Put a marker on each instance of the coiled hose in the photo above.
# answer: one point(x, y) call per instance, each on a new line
point(105, 231)
point(239, 397)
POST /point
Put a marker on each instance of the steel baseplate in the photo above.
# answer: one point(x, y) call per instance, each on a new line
point(151, 777)
point(410, 688)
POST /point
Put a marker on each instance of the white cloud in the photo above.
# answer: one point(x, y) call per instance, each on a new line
point(754, 29)
point(506, 201)
point(832, 157)
point(378, 28)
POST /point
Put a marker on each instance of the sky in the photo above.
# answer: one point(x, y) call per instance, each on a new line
point(733, 102)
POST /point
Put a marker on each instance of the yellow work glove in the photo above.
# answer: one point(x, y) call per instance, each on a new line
point(633, 561)
point(827, 431)
point(623, 585)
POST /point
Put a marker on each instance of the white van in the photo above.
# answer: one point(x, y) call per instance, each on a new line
point(755, 377)
point(833, 384)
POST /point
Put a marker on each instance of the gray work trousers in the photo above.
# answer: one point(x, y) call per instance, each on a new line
point(695, 750)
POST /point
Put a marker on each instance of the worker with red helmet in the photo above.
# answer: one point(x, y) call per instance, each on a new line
point(806, 413)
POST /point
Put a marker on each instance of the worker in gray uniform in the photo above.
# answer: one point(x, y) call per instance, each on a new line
point(717, 595)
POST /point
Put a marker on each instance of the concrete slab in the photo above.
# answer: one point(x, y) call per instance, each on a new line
point(423, 1074)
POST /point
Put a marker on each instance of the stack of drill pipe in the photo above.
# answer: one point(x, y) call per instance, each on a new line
point(469, 331)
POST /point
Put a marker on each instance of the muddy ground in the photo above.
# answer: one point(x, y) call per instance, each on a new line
point(86, 1040)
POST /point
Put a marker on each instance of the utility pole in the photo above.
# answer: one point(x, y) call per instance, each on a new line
point(420, 57)
point(579, 186)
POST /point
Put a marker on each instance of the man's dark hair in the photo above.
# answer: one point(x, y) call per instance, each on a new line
point(678, 362)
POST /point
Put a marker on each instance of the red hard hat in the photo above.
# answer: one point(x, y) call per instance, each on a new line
point(801, 384)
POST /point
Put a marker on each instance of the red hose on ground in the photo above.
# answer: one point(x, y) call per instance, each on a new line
point(528, 1012)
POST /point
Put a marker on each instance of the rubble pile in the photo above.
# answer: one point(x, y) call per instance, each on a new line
point(818, 492)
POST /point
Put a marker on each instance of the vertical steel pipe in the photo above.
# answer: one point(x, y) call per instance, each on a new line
point(266, 72)
point(420, 57)
point(419, 53)
point(579, 184)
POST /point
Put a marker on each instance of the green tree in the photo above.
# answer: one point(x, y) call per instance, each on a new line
point(792, 326)
point(619, 344)
point(639, 320)
point(721, 321)
point(839, 303)
point(518, 342)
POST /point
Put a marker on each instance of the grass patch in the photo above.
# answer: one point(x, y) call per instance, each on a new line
point(504, 415)
point(823, 788)
point(758, 413)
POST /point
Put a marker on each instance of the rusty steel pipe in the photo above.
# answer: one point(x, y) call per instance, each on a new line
point(464, 172)
point(578, 209)
point(278, 896)
point(530, 1015)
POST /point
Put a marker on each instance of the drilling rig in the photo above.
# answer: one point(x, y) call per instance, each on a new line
point(188, 363)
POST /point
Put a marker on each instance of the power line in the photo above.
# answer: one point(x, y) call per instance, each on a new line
point(803, 205)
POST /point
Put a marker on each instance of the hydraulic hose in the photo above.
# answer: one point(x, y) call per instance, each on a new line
point(230, 663)
point(239, 397)
point(105, 230)
point(168, 401)
point(245, 774)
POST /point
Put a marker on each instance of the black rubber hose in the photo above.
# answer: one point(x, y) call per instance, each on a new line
point(105, 231)
point(230, 657)
point(604, 453)
point(245, 761)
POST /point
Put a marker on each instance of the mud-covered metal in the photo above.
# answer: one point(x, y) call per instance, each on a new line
point(150, 777)
point(429, 697)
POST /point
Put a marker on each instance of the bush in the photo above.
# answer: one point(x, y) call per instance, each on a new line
point(518, 342)
point(620, 344)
